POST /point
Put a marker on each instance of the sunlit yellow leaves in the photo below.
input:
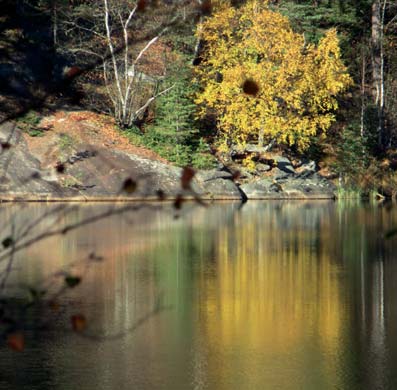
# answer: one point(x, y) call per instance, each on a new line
point(272, 81)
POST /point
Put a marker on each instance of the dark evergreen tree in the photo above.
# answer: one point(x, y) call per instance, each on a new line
point(175, 133)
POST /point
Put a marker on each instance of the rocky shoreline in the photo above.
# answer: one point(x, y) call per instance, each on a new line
point(88, 173)
point(285, 182)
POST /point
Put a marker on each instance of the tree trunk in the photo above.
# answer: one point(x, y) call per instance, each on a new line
point(55, 25)
point(377, 19)
point(363, 74)
point(261, 137)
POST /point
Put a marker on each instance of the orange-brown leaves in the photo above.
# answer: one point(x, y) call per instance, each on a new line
point(186, 177)
point(79, 322)
point(141, 5)
point(73, 72)
point(16, 341)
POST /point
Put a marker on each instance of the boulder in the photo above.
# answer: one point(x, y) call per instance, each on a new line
point(313, 187)
point(259, 189)
point(290, 188)
point(245, 174)
point(262, 167)
point(307, 169)
point(284, 164)
point(213, 174)
point(216, 184)
point(280, 175)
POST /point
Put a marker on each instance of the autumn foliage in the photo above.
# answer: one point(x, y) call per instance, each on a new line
point(263, 81)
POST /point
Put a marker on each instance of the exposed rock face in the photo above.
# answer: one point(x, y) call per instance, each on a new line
point(99, 173)
point(105, 172)
point(87, 172)
point(19, 171)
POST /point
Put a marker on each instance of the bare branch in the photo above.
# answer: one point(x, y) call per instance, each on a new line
point(132, 13)
point(90, 30)
point(150, 100)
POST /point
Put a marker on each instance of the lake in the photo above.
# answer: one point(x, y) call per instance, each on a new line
point(271, 295)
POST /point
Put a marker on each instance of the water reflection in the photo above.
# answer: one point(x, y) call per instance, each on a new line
point(276, 295)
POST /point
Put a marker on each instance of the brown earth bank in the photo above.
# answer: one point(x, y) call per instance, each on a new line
point(81, 156)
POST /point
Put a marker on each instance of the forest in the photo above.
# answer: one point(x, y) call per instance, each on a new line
point(208, 82)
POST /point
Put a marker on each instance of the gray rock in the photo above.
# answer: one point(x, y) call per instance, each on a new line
point(10, 133)
point(316, 186)
point(245, 174)
point(259, 189)
point(252, 191)
point(265, 183)
point(104, 175)
point(220, 189)
point(307, 169)
point(309, 166)
point(220, 166)
point(81, 156)
point(252, 148)
point(213, 174)
point(290, 188)
point(20, 172)
point(262, 167)
point(275, 187)
point(285, 165)
point(101, 173)
point(216, 184)
point(280, 175)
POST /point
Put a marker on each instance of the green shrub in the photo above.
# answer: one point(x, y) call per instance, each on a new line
point(174, 134)
point(35, 132)
point(66, 142)
point(134, 135)
point(28, 123)
point(202, 157)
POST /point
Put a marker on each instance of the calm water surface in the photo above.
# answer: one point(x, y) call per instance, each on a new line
point(276, 295)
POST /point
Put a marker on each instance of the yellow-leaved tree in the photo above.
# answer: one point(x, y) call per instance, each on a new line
point(261, 79)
